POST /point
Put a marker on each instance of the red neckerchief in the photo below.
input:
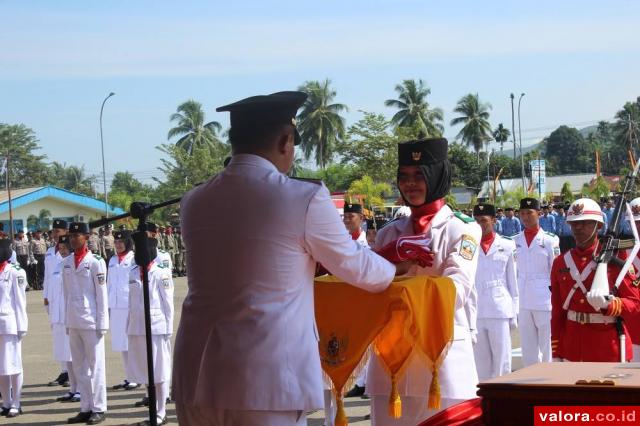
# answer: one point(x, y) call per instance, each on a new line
point(530, 233)
point(356, 235)
point(583, 256)
point(122, 255)
point(486, 241)
point(78, 255)
point(3, 264)
point(423, 215)
point(148, 269)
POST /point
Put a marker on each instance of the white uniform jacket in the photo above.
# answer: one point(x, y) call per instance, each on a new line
point(454, 243)
point(164, 258)
point(534, 269)
point(362, 239)
point(247, 338)
point(160, 301)
point(496, 280)
point(85, 293)
point(13, 300)
point(118, 280)
point(51, 259)
point(55, 292)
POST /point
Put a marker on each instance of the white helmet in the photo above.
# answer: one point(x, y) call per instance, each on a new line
point(584, 209)
point(635, 208)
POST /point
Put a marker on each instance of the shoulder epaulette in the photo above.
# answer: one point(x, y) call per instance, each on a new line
point(97, 256)
point(506, 237)
point(463, 217)
point(310, 180)
point(551, 234)
point(161, 266)
point(17, 266)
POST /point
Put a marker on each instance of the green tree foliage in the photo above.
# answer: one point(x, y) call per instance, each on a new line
point(501, 135)
point(465, 169)
point(568, 152)
point(71, 178)
point(372, 192)
point(337, 177)
point(320, 124)
point(27, 169)
point(125, 189)
point(414, 110)
point(474, 117)
point(511, 198)
point(192, 130)
point(566, 194)
point(596, 190)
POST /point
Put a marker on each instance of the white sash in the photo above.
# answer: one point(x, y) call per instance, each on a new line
point(577, 277)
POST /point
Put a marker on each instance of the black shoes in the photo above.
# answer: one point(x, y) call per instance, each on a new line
point(126, 385)
point(144, 402)
point(62, 380)
point(14, 412)
point(69, 397)
point(159, 421)
point(96, 418)
point(81, 417)
point(355, 391)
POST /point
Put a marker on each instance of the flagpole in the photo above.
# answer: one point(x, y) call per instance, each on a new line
point(6, 173)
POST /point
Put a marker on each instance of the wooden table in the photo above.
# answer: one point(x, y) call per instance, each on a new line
point(509, 400)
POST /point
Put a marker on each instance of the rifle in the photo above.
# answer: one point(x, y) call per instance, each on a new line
point(611, 244)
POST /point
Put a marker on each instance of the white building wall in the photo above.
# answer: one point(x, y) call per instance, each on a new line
point(58, 209)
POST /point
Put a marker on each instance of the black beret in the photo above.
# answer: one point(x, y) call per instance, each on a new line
point(63, 239)
point(352, 208)
point(422, 152)
point(273, 109)
point(152, 227)
point(530, 203)
point(484, 210)
point(60, 224)
point(79, 227)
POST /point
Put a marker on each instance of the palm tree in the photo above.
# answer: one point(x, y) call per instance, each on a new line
point(474, 116)
point(628, 124)
point(44, 219)
point(414, 110)
point(320, 124)
point(501, 135)
point(192, 129)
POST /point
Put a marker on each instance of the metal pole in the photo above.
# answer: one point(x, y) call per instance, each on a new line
point(8, 182)
point(513, 129)
point(104, 174)
point(520, 137)
point(488, 176)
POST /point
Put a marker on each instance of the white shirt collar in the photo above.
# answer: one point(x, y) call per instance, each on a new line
point(252, 160)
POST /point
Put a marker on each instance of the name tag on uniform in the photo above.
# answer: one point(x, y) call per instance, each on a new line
point(166, 282)
point(21, 281)
point(101, 279)
point(165, 263)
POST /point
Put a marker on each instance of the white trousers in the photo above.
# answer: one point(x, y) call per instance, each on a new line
point(87, 352)
point(414, 410)
point(11, 390)
point(535, 336)
point(636, 353)
point(191, 416)
point(493, 348)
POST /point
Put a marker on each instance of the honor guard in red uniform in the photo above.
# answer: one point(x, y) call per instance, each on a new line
point(634, 324)
point(583, 322)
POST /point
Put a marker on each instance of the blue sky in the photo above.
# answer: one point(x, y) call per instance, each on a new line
point(576, 61)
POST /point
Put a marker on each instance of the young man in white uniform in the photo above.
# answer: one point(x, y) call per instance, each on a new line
point(161, 306)
point(87, 319)
point(535, 252)
point(13, 328)
point(120, 266)
point(497, 297)
point(163, 258)
point(424, 178)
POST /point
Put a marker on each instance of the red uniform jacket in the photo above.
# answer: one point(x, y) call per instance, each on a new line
point(574, 341)
point(633, 324)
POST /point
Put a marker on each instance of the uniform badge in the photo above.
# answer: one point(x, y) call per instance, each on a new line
point(166, 282)
point(101, 278)
point(21, 281)
point(332, 352)
point(556, 251)
point(468, 247)
point(165, 263)
point(577, 209)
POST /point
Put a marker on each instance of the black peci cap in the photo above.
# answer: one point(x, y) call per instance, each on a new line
point(352, 208)
point(79, 228)
point(265, 110)
point(60, 224)
point(484, 210)
point(63, 239)
point(530, 203)
point(122, 235)
point(422, 152)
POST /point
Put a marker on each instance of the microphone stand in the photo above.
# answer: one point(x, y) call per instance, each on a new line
point(141, 211)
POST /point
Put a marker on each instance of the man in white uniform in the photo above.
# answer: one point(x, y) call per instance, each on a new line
point(497, 290)
point(535, 251)
point(247, 347)
point(87, 319)
point(161, 306)
point(163, 258)
point(424, 178)
point(52, 258)
point(13, 328)
point(120, 266)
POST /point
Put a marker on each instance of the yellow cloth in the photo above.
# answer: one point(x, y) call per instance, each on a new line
point(413, 314)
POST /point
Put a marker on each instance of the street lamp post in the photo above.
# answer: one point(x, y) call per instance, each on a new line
point(520, 137)
point(104, 174)
point(513, 129)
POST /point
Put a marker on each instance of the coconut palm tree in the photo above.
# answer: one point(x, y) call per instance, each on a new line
point(476, 129)
point(192, 129)
point(501, 135)
point(414, 110)
point(320, 124)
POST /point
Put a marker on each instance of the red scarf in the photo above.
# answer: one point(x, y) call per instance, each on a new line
point(148, 269)
point(530, 233)
point(582, 257)
point(356, 235)
point(78, 255)
point(122, 255)
point(423, 215)
point(486, 241)
point(3, 264)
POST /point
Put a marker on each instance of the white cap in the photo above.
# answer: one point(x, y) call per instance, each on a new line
point(584, 209)
point(635, 208)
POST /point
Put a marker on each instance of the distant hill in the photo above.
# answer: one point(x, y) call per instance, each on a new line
point(588, 130)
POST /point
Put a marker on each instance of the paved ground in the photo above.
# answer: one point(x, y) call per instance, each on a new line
point(38, 400)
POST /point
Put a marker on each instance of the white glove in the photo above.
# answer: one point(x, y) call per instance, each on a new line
point(598, 299)
point(513, 323)
point(21, 334)
point(554, 359)
point(101, 332)
point(474, 337)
